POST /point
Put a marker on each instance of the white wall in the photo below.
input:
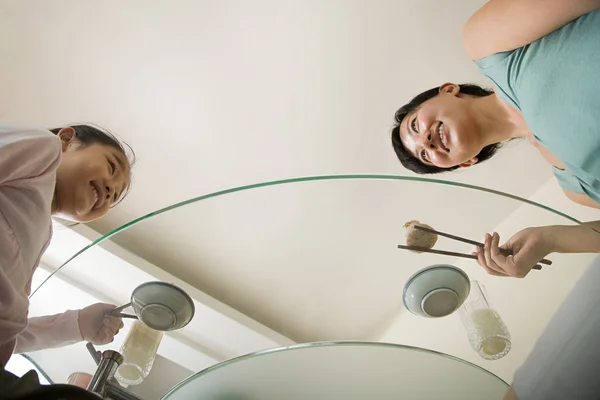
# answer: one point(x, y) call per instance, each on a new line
point(525, 305)
point(212, 94)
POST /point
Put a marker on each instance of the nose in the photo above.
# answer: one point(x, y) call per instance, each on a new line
point(427, 140)
point(110, 191)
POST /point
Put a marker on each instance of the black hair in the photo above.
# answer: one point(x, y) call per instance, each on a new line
point(88, 135)
point(414, 164)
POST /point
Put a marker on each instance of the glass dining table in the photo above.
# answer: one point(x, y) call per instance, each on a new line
point(315, 230)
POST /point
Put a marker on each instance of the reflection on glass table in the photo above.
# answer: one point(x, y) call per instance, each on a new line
point(296, 261)
point(342, 371)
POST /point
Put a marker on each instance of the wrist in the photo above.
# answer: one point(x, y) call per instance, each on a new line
point(79, 324)
point(571, 239)
point(554, 238)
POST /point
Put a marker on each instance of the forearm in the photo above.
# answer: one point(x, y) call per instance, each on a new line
point(574, 239)
point(49, 332)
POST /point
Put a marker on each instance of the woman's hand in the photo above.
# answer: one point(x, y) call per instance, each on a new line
point(97, 328)
point(528, 247)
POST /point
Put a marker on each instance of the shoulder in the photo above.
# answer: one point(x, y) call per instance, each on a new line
point(18, 135)
point(581, 198)
point(27, 152)
point(29, 158)
point(572, 188)
point(505, 25)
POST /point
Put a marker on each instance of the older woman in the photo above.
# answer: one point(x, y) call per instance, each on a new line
point(543, 58)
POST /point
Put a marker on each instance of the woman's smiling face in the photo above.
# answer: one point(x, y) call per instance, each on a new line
point(443, 132)
point(89, 179)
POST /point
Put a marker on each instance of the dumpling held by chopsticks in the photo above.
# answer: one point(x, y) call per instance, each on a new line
point(418, 238)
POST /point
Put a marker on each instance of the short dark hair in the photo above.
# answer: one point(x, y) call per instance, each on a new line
point(88, 135)
point(414, 164)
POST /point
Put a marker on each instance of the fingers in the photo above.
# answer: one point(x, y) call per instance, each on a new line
point(105, 335)
point(487, 253)
point(115, 324)
point(95, 326)
point(483, 263)
point(102, 308)
point(108, 330)
point(490, 258)
point(105, 306)
point(494, 260)
point(496, 254)
point(522, 255)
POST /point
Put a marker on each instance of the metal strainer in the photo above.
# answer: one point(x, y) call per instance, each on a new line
point(160, 305)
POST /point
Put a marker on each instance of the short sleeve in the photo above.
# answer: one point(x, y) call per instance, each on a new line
point(27, 153)
point(502, 70)
point(492, 60)
point(568, 181)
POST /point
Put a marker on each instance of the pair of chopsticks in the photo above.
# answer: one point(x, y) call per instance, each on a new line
point(117, 312)
point(459, 239)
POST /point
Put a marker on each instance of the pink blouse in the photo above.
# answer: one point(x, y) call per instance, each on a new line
point(29, 158)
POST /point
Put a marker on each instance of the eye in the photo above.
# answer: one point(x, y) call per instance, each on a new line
point(413, 125)
point(113, 166)
point(424, 156)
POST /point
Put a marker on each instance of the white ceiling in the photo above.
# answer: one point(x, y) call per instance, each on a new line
point(215, 94)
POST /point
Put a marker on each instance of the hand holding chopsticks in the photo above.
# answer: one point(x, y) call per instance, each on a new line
point(516, 260)
point(505, 252)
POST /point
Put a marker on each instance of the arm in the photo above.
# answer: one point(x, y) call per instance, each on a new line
point(27, 153)
point(574, 239)
point(89, 324)
point(504, 25)
point(24, 154)
point(49, 332)
point(13, 304)
point(530, 245)
point(582, 199)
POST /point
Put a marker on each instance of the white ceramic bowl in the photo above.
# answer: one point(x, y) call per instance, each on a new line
point(162, 306)
point(436, 291)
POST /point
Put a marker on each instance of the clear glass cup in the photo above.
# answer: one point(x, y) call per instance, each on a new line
point(139, 351)
point(487, 333)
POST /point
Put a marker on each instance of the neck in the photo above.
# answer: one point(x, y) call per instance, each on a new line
point(498, 120)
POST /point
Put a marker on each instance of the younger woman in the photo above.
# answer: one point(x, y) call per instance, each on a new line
point(76, 173)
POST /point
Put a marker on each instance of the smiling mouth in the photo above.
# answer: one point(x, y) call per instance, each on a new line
point(97, 197)
point(442, 135)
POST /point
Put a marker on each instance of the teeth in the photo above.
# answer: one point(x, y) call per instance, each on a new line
point(441, 134)
point(95, 195)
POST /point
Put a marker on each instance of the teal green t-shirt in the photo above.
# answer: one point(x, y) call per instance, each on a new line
point(555, 83)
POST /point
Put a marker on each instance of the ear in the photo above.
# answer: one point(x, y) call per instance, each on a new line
point(67, 137)
point(450, 88)
point(469, 163)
